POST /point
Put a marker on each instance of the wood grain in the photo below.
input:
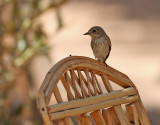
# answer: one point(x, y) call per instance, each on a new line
point(86, 99)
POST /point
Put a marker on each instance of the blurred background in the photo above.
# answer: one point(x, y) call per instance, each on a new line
point(35, 34)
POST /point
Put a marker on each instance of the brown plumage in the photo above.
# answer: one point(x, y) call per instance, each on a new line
point(100, 43)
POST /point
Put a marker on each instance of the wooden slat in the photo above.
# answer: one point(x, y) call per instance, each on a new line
point(94, 84)
point(90, 92)
point(93, 107)
point(92, 100)
point(83, 79)
point(142, 109)
point(91, 81)
point(59, 99)
point(87, 120)
point(98, 118)
point(60, 122)
point(106, 115)
point(114, 116)
point(118, 109)
point(83, 62)
point(141, 114)
point(97, 82)
point(43, 109)
point(75, 62)
point(79, 119)
point(79, 59)
point(106, 83)
point(71, 84)
point(81, 84)
point(132, 114)
point(129, 112)
point(67, 88)
point(69, 121)
point(135, 116)
point(121, 115)
point(83, 120)
point(57, 94)
point(76, 92)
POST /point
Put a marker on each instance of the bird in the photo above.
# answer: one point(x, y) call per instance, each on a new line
point(100, 43)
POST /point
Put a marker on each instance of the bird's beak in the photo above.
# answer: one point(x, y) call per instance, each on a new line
point(86, 33)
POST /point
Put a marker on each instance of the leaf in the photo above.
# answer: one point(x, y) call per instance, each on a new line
point(21, 44)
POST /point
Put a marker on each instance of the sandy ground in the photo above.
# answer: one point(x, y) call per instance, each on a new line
point(134, 30)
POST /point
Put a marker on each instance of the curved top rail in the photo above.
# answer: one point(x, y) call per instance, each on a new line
point(74, 62)
point(81, 65)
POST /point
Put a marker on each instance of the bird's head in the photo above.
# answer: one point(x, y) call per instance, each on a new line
point(95, 32)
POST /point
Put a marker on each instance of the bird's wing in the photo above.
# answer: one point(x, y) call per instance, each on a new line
point(92, 44)
point(109, 43)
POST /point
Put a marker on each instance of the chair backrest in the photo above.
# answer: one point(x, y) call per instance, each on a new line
point(81, 91)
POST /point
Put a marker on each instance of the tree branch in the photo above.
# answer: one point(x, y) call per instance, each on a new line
point(53, 5)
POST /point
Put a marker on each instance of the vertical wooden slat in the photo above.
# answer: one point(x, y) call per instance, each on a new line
point(83, 120)
point(57, 94)
point(90, 92)
point(79, 119)
point(129, 112)
point(121, 115)
point(108, 119)
point(106, 83)
point(98, 118)
point(87, 120)
point(94, 84)
point(143, 110)
point(84, 93)
point(78, 81)
point(74, 85)
point(66, 76)
point(43, 109)
point(83, 79)
point(97, 82)
point(69, 121)
point(132, 114)
point(70, 82)
point(114, 116)
point(66, 86)
point(60, 122)
point(118, 109)
point(88, 86)
point(135, 116)
point(141, 114)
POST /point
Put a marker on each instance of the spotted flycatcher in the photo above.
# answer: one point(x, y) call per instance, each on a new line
point(100, 43)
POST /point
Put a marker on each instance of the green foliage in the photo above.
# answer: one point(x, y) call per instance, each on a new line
point(21, 39)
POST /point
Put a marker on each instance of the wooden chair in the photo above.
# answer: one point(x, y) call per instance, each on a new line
point(82, 91)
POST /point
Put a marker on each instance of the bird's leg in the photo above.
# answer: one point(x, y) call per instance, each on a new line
point(106, 64)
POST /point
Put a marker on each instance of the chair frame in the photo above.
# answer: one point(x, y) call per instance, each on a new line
point(76, 106)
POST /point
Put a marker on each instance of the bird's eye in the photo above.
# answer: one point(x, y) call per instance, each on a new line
point(94, 30)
